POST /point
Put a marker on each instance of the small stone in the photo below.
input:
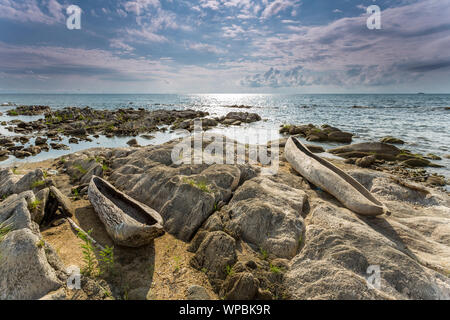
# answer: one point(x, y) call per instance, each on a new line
point(436, 181)
point(197, 293)
point(365, 162)
point(392, 140)
point(133, 143)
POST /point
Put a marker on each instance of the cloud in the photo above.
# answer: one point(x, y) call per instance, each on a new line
point(414, 43)
point(55, 62)
point(232, 31)
point(204, 47)
point(138, 7)
point(141, 35)
point(121, 45)
point(30, 11)
point(277, 6)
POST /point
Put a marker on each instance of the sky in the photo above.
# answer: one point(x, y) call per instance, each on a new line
point(225, 46)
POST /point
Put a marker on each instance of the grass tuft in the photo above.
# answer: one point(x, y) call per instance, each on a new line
point(37, 184)
point(34, 205)
point(199, 185)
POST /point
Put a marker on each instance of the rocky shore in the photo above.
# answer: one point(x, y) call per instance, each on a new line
point(384, 155)
point(78, 124)
point(231, 231)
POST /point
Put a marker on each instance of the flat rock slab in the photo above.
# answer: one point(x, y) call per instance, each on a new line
point(410, 247)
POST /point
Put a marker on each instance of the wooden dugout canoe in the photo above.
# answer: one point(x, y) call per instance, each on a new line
point(326, 176)
point(128, 222)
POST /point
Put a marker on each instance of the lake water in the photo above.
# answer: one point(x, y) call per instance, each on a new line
point(420, 120)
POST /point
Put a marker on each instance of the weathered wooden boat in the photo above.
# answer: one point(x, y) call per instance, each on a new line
point(129, 222)
point(326, 176)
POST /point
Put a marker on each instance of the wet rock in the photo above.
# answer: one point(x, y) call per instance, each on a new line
point(239, 106)
point(28, 110)
point(416, 162)
point(76, 132)
point(432, 156)
point(367, 148)
point(315, 149)
point(20, 154)
point(313, 133)
point(339, 136)
point(24, 140)
point(73, 140)
point(133, 143)
point(197, 293)
point(392, 140)
point(40, 141)
point(365, 162)
point(34, 150)
point(4, 152)
point(243, 117)
point(59, 146)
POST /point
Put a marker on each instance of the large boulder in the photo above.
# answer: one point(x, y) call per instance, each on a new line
point(216, 252)
point(26, 273)
point(367, 148)
point(14, 212)
point(184, 195)
point(267, 213)
point(243, 117)
point(185, 201)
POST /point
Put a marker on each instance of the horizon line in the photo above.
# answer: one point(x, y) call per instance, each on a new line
point(229, 93)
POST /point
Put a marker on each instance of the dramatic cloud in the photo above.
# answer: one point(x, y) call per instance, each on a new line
point(414, 40)
point(225, 46)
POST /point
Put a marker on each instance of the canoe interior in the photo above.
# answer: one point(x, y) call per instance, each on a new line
point(355, 184)
point(128, 207)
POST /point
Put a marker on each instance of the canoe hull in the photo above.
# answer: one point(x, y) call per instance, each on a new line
point(128, 222)
point(326, 176)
